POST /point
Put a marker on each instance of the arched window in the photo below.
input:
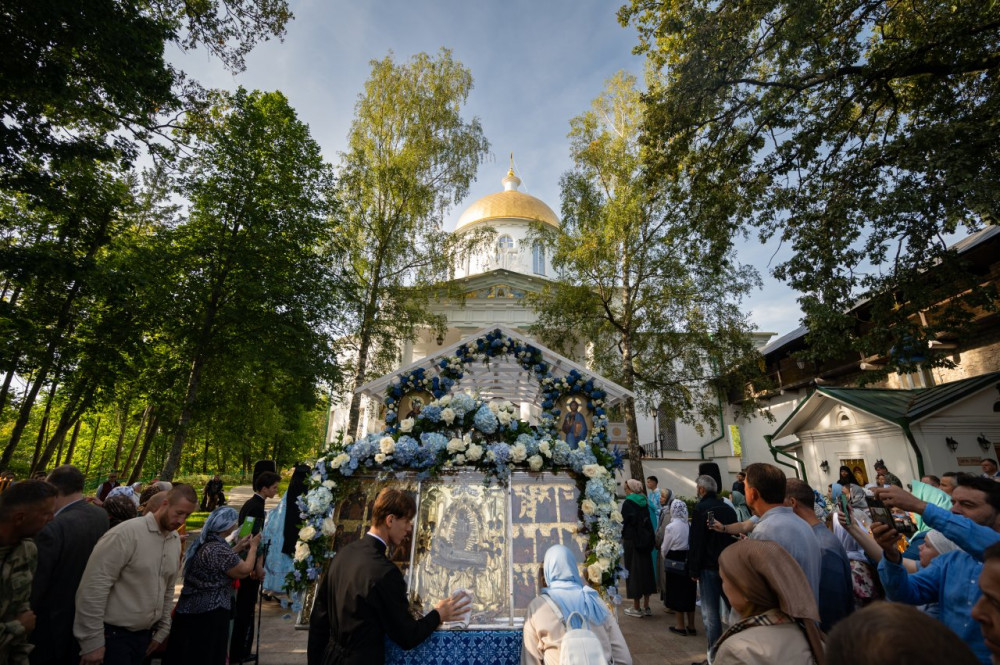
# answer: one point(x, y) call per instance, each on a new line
point(505, 242)
point(538, 257)
point(504, 246)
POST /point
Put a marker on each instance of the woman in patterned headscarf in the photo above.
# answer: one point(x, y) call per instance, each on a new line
point(767, 587)
point(119, 508)
point(679, 590)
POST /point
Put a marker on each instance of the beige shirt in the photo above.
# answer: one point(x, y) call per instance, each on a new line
point(129, 582)
point(543, 631)
point(766, 645)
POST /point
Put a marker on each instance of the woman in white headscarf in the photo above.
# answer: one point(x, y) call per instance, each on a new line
point(565, 594)
point(679, 590)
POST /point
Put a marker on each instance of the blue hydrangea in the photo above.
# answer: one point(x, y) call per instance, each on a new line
point(530, 443)
point(461, 404)
point(406, 450)
point(597, 492)
point(431, 412)
point(560, 453)
point(485, 420)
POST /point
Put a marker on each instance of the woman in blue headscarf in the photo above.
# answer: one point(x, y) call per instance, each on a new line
point(565, 593)
point(200, 631)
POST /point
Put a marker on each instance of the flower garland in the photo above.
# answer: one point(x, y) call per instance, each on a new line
point(463, 431)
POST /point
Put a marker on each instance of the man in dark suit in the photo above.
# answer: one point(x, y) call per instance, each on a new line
point(64, 546)
point(265, 486)
point(705, 547)
point(362, 597)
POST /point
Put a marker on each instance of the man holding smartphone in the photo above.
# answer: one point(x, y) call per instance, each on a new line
point(951, 579)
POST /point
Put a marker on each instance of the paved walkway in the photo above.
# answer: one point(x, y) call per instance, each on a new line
point(649, 638)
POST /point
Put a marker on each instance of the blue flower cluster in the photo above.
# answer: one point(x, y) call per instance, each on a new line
point(461, 404)
point(485, 420)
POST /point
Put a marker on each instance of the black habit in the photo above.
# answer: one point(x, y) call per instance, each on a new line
point(360, 600)
point(241, 643)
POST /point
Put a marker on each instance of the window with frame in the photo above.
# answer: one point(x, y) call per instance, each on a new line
point(538, 257)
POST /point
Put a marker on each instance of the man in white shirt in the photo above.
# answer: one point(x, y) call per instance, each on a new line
point(124, 600)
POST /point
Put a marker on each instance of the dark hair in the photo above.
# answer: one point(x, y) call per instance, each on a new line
point(801, 492)
point(988, 459)
point(768, 480)
point(392, 502)
point(988, 486)
point(149, 493)
point(265, 479)
point(180, 491)
point(934, 479)
point(894, 633)
point(23, 494)
point(296, 488)
point(950, 474)
point(879, 464)
point(654, 479)
point(67, 479)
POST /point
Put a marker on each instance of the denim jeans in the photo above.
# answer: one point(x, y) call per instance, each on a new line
point(125, 647)
point(712, 601)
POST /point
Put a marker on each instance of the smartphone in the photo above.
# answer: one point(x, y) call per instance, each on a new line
point(245, 529)
point(710, 516)
point(879, 512)
point(845, 508)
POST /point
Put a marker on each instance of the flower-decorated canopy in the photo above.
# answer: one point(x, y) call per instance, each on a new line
point(504, 376)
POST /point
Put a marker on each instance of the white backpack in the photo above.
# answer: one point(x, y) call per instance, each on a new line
point(579, 646)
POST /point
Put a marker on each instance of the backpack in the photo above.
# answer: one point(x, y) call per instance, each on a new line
point(578, 646)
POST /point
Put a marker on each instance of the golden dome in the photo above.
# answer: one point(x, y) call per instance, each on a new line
point(508, 204)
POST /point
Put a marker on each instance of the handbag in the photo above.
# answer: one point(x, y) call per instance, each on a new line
point(674, 566)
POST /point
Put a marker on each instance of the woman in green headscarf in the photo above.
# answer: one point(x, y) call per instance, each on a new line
point(638, 540)
point(740, 504)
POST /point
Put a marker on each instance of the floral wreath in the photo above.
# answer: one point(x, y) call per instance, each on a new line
point(462, 431)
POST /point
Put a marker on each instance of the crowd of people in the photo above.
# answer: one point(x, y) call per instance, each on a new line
point(781, 568)
point(783, 573)
point(92, 579)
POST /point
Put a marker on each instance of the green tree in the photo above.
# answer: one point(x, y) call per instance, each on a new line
point(660, 312)
point(861, 134)
point(245, 268)
point(411, 155)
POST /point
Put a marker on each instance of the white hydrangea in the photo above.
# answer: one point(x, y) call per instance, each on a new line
point(387, 445)
point(329, 484)
point(456, 446)
point(329, 527)
point(616, 516)
point(339, 460)
point(592, 470)
point(535, 462)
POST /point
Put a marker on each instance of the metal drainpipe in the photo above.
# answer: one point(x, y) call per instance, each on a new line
point(774, 454)
point(913, 444)
point(722, 427)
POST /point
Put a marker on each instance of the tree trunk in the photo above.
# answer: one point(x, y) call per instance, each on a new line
point(173, 460)
point(5, 390)
point(93, 443)
point(135, 444)
point(154, 423)
point(77, 403)
point(121, 437)
point(72, 441)
point(43, 429)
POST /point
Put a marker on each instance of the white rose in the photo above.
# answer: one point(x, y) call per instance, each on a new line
point(348, 439)
point(406, 424)
point(301, 551)
point(595, 573)
point(444, 401)
point(387, 445)
point(459, 459)
point(591, 470)
point(339, 460)
point(379, 458)
point(545, 448)
point(508, 406)
point(474, 453)
point(316, 477)
point(588, 507)
point(448, 415)
point(504, 418)
point(518, 453)
point(616, 516)
point(308, 532)
point(495, 407)
point(329, 484)
point(456, 446)
point(535, 462)
point(329, 527)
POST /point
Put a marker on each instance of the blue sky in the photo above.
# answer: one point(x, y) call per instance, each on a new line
point(535, 66)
